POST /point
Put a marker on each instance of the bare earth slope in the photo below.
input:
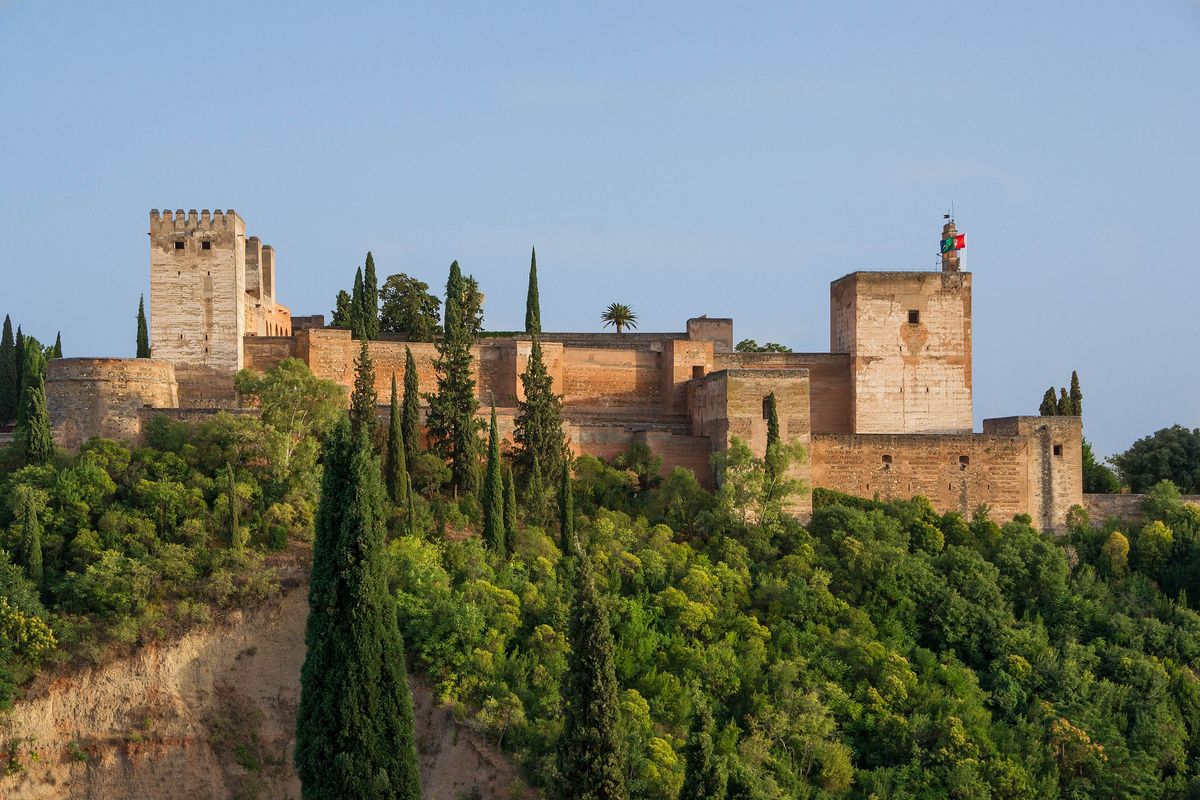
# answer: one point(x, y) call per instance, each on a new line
point(211, 716)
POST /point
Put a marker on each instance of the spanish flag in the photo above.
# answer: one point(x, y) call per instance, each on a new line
point(954, 242)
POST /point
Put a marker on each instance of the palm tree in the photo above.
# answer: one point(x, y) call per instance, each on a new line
point(619, 315)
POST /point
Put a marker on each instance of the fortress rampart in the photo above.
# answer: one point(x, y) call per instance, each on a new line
point(104, 397)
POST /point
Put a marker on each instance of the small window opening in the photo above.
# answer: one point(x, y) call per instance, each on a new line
point(914, 316)
point(1058, 450)
point(178, 245)
point(698, 371)
point(887, 462)
point(964, 462)
point(206, 245)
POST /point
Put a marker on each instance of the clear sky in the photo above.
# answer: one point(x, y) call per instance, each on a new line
point(728, 159)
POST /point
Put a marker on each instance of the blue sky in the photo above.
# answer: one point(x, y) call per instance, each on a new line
point(684, 158)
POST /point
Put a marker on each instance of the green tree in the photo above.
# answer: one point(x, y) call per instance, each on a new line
point(704, 773)
point(37, 442)
point(772, 409)
point(237, 534)
point(533, 309)
point(566, 510)
point(1171, 454)
point(409, 309)
point(395, 469)
point(56, 349)
point(364, 400)
point(143, 331)
point(31, 534)
point(342, 315)
point(1049, 407)
point(1064, 404)
point(493, 492)
point(510, 508)
point(1076, 395)
point(370, 301)
point(410, 422)
point(296, 404)
point(751, 346)
point(1115, 554)
point(1097, 477)
point(9, 380)
point(538, 429)
point(453, 428)
point(19, 367)
point(354, 726)
point(358, 313)
point(619, 316)
point(537, 497)
point(589, 761)
point(472, 307)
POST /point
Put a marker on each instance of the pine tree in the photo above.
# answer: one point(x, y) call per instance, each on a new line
point(772, 420)
point(143, 331)
point(493, 492)
point(358, 314)
point(1064, 403)
point(704, 776)
point(538, 428)
point(34, 429)
point(589, 763)
point(370, 304)
point(354, 726)
point(395, 470)
point(1049, 407)
point(566, 511)
point(453, 428)
point(363, 399)
point(31, 538)
point(1076, 395)
point(9, 383)
point(533, 309)
point(410, 422)
point(510, 509)
point(237, 535)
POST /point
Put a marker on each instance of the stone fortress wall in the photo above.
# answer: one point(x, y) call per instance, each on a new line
point(89, 397)
point(886, 413)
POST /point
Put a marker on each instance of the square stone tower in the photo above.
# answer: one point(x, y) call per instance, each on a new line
point(908, 335)
point(198, 300)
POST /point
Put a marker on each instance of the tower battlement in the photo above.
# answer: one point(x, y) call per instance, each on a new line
point(180, 221)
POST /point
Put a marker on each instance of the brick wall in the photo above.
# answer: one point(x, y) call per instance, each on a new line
point(829, 386)
point(605, 377)
point(89, 397)
point(261, 353)
point(1125, 507)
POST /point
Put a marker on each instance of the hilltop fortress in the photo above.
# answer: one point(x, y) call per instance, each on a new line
point(886, 412)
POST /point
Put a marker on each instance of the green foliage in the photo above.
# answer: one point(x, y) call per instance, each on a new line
point(370, 300)
point(1097, 477)
point(538, 429)
point(143, 332)
point(1171, 454)
point(510, 507)
point(493, 492)
point(1076, 395)
point(410, 417)
point(751, 346)
point(619, 316)
point(343, 310)
point(358, 314)
point(409, 309)
point(395, 465)
point(33, 431)
point(704, 773)
point(533, 309)
point(1065, 409)
point(9, 378)
point(772, 409)
point(566, 510)
point(27, 502)
point(363, 400)
point(354, 727)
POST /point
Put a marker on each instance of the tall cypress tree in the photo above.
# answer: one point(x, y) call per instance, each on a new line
point(1076, 395)
point(358, 314)
point(533, 308)
point(538, 428)
point(493, 492)
point(34, 433)
point(143, 331)
point(237, 538)
point(704, 776)
point(1049, 407)
point(1064, 403)
point(395, 469)
point(589, 762)
point(19, 366)
point(31, 538)
point(410, 422)
point(566, 511)
point(510, 509)
point(453, 428)
point(363, 400)
point(9, 383)
point(370, 303)
point(56, 351)
point(354, 726)
point(772, 420)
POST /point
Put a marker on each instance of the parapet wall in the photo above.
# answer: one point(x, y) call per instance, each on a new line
point(90, 397)
point(1124, 507)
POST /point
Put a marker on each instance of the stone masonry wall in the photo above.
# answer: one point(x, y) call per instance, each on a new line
point(261, 353)
point(89, 397)
point(829, 386)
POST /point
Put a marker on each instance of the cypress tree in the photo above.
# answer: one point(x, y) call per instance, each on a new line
point(363, 399)
point(589, 763)
point(453, 429)
point(19, 365)
point(538, 428)
point(143, 331)
point(56, 351)
point(370, 304)
point(536, 492)
point(358, 316)
point(395, 469)
point(704, 776)
point(566, 511)
point(1076, 395)
point(410, 422)
point(412, 507)
point(772, 420)
point(493, 492)
point(343, 310)
point(31, 538)
point(1049, 407)
point(34, 429)
point(533, 309)
point(354, 726)
point(1064, 403)
point(9, 383)
point(237, 537)
point(510, 508)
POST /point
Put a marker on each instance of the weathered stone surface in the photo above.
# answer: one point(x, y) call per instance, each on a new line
point(89, 397)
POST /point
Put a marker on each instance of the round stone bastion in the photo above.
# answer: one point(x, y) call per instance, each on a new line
point(104, 397)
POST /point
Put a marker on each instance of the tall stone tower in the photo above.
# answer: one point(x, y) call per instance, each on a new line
point(198, 300)
point(908, 335)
